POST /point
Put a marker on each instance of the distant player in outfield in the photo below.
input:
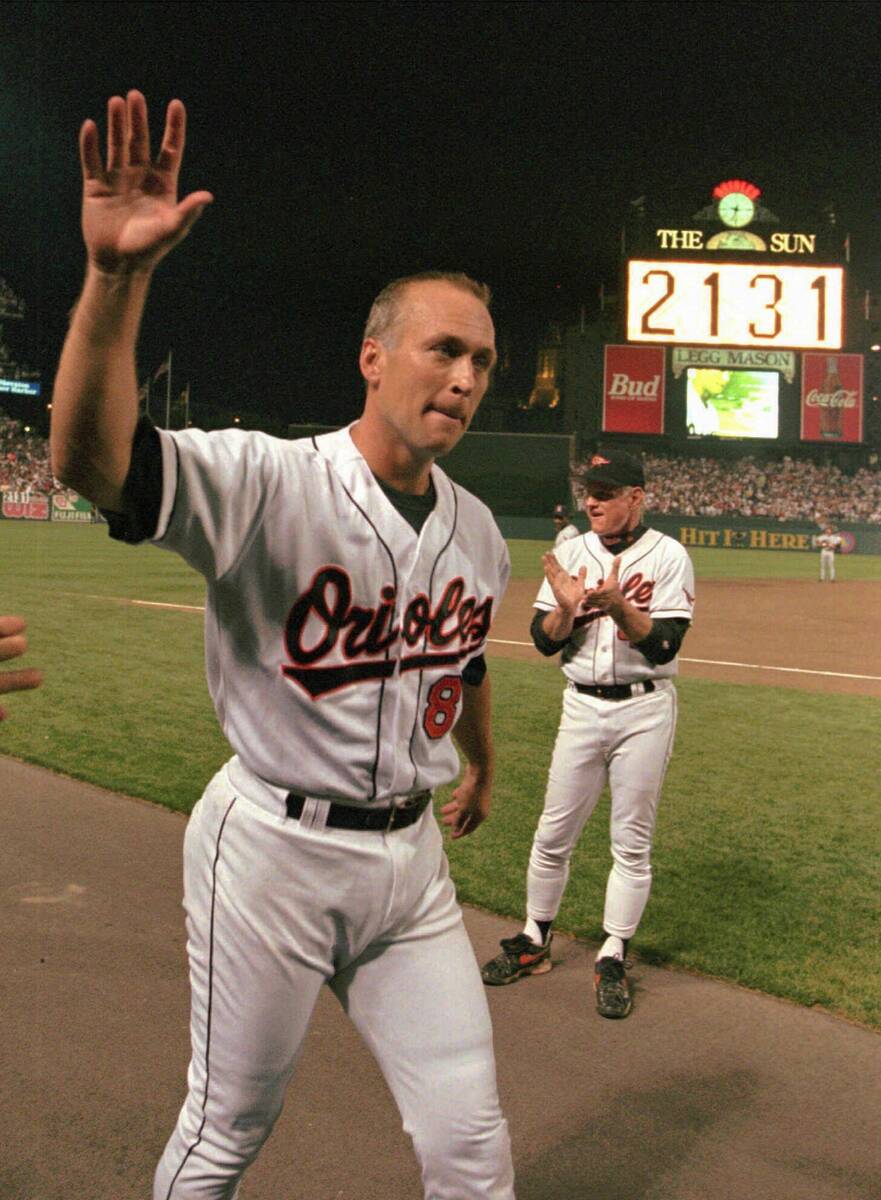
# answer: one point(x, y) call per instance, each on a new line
point(13, 644)
point(830, 543)
point(563, 526)
point(615, 604)
point(350, 590)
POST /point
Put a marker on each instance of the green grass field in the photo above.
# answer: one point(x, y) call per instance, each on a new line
point(768, 849)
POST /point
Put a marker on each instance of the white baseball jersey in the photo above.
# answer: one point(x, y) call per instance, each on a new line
point(829, 541)
point(567, 532)
point(334, 637)
point(655, 574)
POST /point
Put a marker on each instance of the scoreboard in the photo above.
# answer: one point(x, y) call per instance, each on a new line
point(716, 303)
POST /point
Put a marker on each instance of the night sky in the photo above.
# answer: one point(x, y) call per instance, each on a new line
point(347, 144)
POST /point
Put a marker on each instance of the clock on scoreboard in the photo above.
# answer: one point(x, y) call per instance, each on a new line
point(712, 303)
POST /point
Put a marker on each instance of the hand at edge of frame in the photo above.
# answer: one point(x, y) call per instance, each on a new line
point(13, 644)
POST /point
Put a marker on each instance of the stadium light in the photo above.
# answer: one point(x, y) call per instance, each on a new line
point(875, 346)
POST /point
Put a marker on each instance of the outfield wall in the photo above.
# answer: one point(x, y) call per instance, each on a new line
point(516, 473)
point(731, 533)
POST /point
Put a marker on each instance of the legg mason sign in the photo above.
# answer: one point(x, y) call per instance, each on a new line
point(683, 357)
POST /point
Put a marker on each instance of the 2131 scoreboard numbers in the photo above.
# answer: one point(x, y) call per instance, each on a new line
point(735, 304)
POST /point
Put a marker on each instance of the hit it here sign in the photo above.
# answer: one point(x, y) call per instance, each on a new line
point(633, 389)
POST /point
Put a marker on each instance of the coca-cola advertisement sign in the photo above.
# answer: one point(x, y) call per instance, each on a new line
point(832, 398)
point(633, 389)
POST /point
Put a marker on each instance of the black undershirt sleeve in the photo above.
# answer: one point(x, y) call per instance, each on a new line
point(142, 490)
point(543, 644)
point(474, 671)
point(664, 639)
point(659, 647)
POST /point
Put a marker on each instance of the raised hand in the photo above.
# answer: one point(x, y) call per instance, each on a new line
point(131, 214)
point(568, 591)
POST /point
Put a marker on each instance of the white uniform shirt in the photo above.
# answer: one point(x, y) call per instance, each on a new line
point(334, 637)
point(567, 532)
point(655, 574)
point(829, 541)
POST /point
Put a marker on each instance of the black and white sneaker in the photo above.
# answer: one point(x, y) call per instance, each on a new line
point(519, 957)
point(612, 990)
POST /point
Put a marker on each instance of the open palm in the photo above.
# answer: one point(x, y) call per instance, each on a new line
point(568, 589)
point(131, 214)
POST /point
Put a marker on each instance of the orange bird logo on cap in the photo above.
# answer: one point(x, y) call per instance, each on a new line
point(599, 461)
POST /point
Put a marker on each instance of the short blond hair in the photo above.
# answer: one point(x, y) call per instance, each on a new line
point(385, 311)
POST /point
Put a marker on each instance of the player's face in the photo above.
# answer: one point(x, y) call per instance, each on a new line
point(426, 385)
point(613, 511)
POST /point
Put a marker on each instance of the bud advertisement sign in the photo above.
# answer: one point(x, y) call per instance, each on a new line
point(633, 390)
point(832, 398)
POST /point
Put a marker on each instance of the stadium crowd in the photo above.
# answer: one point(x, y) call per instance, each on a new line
point(24, 459)
point(789, 490)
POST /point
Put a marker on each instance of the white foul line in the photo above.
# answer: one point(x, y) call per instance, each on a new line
point(715, 662)
point(708, 662)
point(160, 604)
point(141, 603)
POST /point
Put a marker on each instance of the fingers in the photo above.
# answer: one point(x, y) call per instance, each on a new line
point(10, 626)
point(20, 681)
point(90, 155)
point(458, 820)
point(13, 643)
point(128, 137)
point(467, 824)
point(12, 647)
point(174, 138)
point(616, 562)
point(138, 130)
point(117, 142)
point(192, 207)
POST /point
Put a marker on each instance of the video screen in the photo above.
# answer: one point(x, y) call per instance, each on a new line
point(737, 404)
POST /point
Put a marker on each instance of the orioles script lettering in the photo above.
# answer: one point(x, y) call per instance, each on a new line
point(324, 621)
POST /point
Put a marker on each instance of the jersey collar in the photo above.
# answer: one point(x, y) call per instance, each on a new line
point(620, 544)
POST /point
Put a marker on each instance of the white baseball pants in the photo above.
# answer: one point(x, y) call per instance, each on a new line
point(629, 743)
point(827, 565)
point(277, 907)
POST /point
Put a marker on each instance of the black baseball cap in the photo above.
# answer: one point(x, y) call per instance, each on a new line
point(615, 468)
point(560, 510)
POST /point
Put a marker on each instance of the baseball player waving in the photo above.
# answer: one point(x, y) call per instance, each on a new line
point(615, 604)
point(350, 589)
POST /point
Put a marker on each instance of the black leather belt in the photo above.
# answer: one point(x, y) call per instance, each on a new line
point(614, 691)
point(349, 816)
